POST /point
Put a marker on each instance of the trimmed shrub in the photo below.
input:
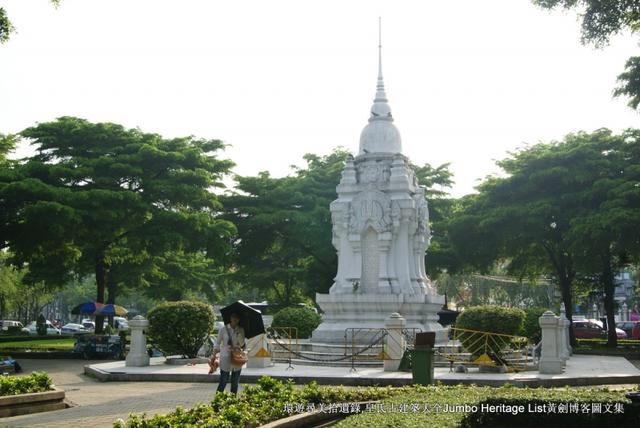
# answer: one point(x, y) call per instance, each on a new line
point(35, 382)
point(531, 327)
point(180, 328)
point(302, 318)
point(492, 319)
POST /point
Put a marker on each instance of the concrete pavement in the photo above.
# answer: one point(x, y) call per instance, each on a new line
point(97, 404)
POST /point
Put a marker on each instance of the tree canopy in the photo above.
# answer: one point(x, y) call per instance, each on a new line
point(552, 212)
point(118, 203)
point(602, 19)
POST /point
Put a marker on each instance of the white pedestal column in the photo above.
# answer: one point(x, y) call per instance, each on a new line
point(395, 343)
point(258, 352)
point(565, 330)
point(138, 356)
point(550, 361)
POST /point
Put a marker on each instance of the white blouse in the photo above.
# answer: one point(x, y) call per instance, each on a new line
point(222, 345)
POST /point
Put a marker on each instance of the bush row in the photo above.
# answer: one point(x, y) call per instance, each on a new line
point(446, 408)
point(35, 382)
point(255, 406)
point(404, 407)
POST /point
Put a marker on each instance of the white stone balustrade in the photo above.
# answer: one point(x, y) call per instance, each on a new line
point(395, 342)
point(550, 360)
point(138, 356)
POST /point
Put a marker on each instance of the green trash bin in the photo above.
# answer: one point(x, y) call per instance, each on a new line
point(422, 365)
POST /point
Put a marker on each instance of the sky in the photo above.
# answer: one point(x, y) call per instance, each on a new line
point(468, 81)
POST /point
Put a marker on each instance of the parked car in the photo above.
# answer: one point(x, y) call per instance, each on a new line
point(73, 328)
point(620, 333)
point(635, 333)
point(592, 329)
point(121, 323)
point(31, 328)
point(5, 324)
point(89, 325)
point(627, 326)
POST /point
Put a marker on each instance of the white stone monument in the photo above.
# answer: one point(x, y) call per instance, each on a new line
point(381, 233)
point(138, 356)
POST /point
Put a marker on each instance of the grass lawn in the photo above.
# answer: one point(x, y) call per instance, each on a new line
point(62, 344)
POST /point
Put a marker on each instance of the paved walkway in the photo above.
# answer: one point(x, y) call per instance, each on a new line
point(580, 370)
point(97, 404)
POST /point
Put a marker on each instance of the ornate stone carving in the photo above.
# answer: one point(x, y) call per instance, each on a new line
point(370, 208)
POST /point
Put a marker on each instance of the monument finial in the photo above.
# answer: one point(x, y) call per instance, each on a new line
point(379, 48)
point(380, 135)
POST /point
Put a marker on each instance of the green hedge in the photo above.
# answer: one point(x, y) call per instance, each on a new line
point(488, 318)
point(30, 337)
point(180, 328)
point(35, 382)
point(304, 319)
point(531, 326)
point(255, 406)
point(267, 401)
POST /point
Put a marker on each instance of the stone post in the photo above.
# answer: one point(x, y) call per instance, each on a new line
point(565, 323)
point(138, 356)
point(258, 352)
point(395, 343)
point(550, 361)
point(625, 312)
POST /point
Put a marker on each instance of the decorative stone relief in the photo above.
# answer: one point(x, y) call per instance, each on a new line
point(370, 208)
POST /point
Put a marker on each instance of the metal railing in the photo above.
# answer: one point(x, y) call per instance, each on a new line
point(482, 348)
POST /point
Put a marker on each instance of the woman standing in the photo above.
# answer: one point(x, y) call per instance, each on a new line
point(230, 341)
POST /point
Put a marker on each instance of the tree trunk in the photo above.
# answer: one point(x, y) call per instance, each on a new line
point(112, 287)
point(101, 281)
point(567, 301)
point(609, 291)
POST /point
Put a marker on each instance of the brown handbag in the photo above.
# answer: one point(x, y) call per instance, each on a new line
point(238, 356)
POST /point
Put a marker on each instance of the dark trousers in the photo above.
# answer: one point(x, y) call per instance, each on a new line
point(224, 379)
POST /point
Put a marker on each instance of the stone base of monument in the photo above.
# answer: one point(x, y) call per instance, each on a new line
point(355, 317)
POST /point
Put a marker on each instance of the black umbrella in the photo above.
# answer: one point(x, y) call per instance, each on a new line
point(250, 319)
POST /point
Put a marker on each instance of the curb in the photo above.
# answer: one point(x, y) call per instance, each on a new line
point(313, 418)
point(105, 376)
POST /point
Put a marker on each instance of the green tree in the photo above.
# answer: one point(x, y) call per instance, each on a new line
point(602, 19)
point(284, 228)
point(536, 217)
point(7, 28)
point(113, 202)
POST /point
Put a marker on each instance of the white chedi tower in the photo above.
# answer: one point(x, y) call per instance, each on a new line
point(381, 233)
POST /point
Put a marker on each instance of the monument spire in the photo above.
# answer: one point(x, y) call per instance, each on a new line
point(380, 135)
point(381, 96)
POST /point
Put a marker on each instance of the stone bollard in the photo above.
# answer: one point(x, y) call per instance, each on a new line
point(258, 352)
point(138, 356)
point(563, 335)
point(396, 344)
point(567, 336)
point(550, 361)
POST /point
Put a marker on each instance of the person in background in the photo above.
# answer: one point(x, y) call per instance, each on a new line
point(230, 338)
point(634, 315)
